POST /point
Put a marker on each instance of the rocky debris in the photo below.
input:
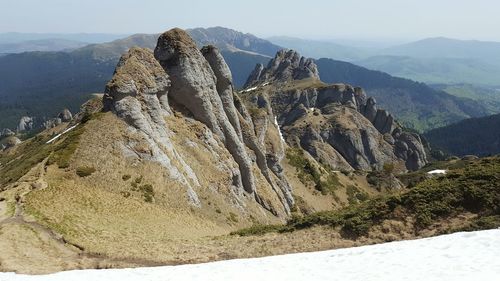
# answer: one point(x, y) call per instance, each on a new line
point(287, 65)
point(26, 123)
point(65, 115)
point(194, 86)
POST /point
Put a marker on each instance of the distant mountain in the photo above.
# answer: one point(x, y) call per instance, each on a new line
point(477, 136)
point(42, 83)
point(441, 47)
point(225, 38)
point(320, 49)
point(16, 37)
point(487, 96)
point(433, 60)
point(437, 70)
point(415, 104)
point(46, 45)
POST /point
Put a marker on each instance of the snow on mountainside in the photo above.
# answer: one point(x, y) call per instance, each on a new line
point(459, 256)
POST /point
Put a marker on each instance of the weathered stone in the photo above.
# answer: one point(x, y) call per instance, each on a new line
point(194, 86)
point(26, 123)
point(65, 115)
point(287, 65)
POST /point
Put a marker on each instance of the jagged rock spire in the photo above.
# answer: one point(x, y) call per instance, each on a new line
point(286, 65)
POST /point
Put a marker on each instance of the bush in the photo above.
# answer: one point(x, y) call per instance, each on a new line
point(473, 188)
point(126, 177)
point(85, 171)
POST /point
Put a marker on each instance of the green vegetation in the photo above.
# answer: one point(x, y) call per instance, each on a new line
point(232, 217)
point(63, 151)
point(478, 136)
point(307, 172)
point(355, 195)
point(85, 171)
point(414, 104)
point(15, 164)
point(473, 188)
point(147, 192)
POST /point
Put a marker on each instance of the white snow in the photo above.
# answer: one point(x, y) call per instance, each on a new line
point(437, 172)
point(249, 89)
point(279, 129)
point(472, 256)
point(59, 135)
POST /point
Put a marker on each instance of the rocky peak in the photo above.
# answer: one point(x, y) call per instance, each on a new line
point(65, 115)
point(197, 84)
point(285, 66)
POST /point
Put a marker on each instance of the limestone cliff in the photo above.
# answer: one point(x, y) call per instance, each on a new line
point(337, 124)
point(179, 79)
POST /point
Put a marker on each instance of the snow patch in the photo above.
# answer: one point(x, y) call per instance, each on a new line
point(456, 257)
point(59, 135)
point(250, 89)
point(279, 130)
point(437, 172)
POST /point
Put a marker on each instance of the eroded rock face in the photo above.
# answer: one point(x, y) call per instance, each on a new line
point(196, 87)
point(286, 65)
point(137, 93)
point(337, 124)
point(148, 88)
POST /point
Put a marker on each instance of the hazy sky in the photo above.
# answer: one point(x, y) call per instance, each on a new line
point(315, 19)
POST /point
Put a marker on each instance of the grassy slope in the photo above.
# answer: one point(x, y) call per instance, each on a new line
point(473, 189)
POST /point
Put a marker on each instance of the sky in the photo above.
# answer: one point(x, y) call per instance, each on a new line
point(310, 19)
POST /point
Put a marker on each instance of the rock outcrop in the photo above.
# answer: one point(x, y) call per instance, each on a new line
point(337, 124)
point(26, 123)
point(287, 65)
point(65, 115)
point(195, 87)
point(181, 81)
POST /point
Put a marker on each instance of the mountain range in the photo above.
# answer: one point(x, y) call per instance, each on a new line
point(69, 78)
point(173, 164)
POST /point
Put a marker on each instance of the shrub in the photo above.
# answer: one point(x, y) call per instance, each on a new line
point(85, 171)
point(126, 177)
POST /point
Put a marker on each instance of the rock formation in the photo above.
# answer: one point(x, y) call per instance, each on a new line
point(147, 89)
point(337, 124)
point(65, 115)
point(26, 123)
point(286, 65)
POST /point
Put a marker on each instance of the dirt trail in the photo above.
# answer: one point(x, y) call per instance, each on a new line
point(30, 247)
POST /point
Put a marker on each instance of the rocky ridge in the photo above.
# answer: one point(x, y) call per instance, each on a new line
point(337, 124)
point(179, 78)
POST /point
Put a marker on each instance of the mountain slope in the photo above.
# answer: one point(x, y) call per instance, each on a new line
point(47, 45)
point(225, 38)
point(476, 136)
point(441, 47)
point(68, 78)
point(415, 104)
point(320, 49)
point(436, 70)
